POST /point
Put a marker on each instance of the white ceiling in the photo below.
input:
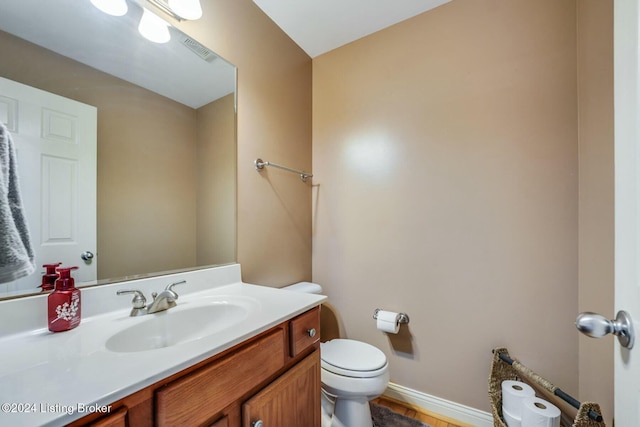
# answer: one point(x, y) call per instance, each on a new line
point(318, 26)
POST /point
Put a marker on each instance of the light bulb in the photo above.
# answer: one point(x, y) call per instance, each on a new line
point(187, 9)
point(154, 28)
point(111, 7)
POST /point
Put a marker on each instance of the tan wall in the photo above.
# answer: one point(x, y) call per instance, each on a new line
point(216, 168)
point(274, 123)
point(445, 159)
point(146, 183)
point(595, 127)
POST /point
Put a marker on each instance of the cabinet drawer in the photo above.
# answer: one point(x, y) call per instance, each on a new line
point(198, 397)
point(304, 331)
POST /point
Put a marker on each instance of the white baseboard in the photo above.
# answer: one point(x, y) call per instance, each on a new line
point(466, 414)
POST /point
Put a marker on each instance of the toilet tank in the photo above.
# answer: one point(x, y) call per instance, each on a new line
point(329, 321)
point(305, 287)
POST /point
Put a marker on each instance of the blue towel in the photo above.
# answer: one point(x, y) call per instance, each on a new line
point(16, 253)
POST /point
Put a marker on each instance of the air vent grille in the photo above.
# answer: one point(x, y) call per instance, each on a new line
point(199, 50)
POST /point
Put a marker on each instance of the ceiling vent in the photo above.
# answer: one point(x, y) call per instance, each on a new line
point(199, 50)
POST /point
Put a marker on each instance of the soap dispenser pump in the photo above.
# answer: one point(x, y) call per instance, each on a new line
point(50, 277)
point(64, 302)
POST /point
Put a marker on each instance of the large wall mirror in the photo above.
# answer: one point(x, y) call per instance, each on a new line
point(164, 163)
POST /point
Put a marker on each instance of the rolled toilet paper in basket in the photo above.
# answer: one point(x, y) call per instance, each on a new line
point(513, 394)
point(510, 420)
point(537, 412)
point(388, 321)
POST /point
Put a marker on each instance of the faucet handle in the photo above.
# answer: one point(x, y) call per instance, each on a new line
point(139, 302)
point(170, 287)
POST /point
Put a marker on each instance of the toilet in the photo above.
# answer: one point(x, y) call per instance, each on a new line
point(352, 373)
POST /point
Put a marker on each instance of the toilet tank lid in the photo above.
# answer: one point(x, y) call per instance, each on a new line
point(306, 287)
point(352, 355)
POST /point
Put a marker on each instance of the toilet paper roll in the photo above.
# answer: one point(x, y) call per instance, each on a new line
point(513, 393)
point(510, 420)
point(388, 321)
point(537, 412)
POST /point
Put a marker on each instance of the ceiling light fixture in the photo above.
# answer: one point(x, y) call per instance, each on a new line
point(111, 7)
point(182, 10)
point(154, 28)
point(186, 9)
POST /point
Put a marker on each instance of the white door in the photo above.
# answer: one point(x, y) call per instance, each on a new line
point(56, 141)
point(627, 205)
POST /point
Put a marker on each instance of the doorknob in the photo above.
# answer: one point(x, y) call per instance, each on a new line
point(597, 326)
point(87, 256)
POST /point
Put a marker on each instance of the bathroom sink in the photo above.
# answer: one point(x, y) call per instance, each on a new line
point(181, 324)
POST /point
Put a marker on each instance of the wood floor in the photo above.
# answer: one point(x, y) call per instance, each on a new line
point(419, 414)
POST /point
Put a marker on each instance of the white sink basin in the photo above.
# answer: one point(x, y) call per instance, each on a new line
point(182, 324)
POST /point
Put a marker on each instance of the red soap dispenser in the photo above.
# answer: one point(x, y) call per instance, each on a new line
point(50, 277)
point(64, 302)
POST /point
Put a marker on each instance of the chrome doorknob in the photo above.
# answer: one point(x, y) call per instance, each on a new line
point(258, 423)
point(597, 326)
point(87, 255)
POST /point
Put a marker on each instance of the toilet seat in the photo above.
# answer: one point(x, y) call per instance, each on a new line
point(352, 358)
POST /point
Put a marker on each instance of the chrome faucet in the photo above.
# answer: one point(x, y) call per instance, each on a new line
point(165, 299)
point(162, 301)
point(139, 302)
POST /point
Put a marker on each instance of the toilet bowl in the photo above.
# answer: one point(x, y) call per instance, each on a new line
point(352, 374)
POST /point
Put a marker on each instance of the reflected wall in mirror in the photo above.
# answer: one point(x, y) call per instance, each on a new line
point(166, 143)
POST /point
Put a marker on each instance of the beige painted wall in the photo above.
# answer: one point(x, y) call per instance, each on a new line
point(153, 229)
point(445, 154)
point(595, 127)
point(216, 168)
point(274, 123)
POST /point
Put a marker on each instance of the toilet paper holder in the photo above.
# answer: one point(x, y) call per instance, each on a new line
point(402, 317)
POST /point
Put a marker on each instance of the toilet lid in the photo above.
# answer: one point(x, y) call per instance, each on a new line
point(352, 358)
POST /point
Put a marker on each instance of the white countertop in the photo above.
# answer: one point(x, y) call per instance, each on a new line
point(50, 378)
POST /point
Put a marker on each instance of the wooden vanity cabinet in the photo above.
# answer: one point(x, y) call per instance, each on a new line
point(273, 377)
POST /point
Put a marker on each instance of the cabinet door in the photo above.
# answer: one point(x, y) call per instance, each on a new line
point(222, 422)
point(195, 399)
point(292, 400)
point(116, 419)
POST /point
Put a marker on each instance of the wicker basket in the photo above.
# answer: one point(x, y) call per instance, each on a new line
point(501, 371)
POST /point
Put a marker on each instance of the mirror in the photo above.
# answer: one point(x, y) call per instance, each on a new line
point(166, 143)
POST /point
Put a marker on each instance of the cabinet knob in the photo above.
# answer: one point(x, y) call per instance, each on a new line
point(311, 332)
point(256, 423)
